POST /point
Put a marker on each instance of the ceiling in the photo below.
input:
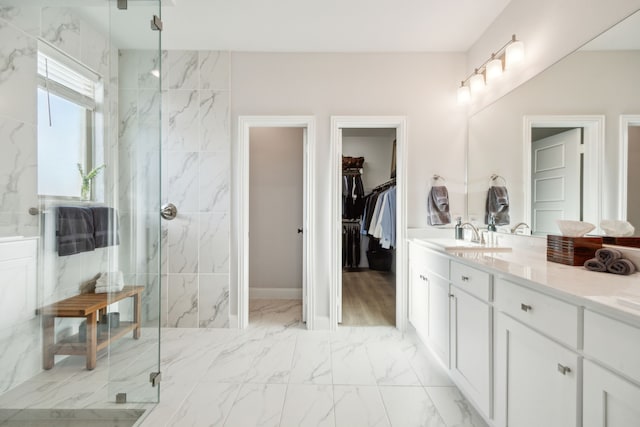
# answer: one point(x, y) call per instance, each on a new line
point(311, 25)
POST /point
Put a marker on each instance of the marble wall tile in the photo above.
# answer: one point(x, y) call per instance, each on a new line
point(183, 301)
point(128, 68)
point(60, 26)
point(213, 301)
point(18, 167)
point(214, 182)
point(18, 70)
point(183, 244)
point(182, 180)
point(182, 66)
point(151, 303)
point(214, 243)
point(214, 121)
point(94, 49)
point(182, 132)
point(26, 18)
point(20, 353)
point(214, 70)
point(148, 68)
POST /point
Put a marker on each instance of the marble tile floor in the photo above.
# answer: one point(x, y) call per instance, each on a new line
point(276, 373)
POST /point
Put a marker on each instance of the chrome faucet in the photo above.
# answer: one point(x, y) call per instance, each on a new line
point(518, 225)
point(477, 237)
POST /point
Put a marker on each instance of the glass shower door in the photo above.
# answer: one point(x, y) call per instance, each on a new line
point(134, 364)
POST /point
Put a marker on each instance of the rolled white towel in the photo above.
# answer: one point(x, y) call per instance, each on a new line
point(114, 278)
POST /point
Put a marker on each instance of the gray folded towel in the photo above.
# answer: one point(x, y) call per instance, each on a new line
point(498, 205)
point(608, 255)
point(438, 206)
point(74, 230)
point(594, 264)
point(621, 266)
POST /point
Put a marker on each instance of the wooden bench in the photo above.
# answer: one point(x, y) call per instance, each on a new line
point(90, 306)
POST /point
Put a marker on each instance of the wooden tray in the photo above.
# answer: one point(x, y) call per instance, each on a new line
point(572, 250)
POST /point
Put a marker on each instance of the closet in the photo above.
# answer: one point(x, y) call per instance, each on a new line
point(368, 227)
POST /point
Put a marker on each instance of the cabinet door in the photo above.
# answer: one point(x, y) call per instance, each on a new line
point(419, 301)
point(608, 400)
point(438, 317)
point(536, 378)
point(471, 368)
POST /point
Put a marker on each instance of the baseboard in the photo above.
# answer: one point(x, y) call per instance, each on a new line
point(275, 293)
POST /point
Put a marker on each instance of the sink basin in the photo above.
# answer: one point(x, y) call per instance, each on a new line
point(454, 245)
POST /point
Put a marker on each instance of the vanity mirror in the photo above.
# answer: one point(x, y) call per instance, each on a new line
point(567, 142)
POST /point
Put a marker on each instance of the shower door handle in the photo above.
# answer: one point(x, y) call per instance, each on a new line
point(168, 211)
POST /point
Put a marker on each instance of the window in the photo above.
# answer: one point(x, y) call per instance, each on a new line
point(67, 93)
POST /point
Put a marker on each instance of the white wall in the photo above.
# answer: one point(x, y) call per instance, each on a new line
point(633, 176)
point(376, 146)
point(550, 30)
point(275, 200)
point(418, 86)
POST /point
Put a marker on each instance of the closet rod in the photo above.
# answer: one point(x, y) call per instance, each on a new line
point(387, 184)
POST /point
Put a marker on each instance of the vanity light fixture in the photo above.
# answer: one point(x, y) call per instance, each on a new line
point(504, 59)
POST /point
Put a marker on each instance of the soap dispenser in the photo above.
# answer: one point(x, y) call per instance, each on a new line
point(459, 230)
point(491, 228)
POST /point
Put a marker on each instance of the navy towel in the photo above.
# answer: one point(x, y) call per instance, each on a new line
point(74, 230)
point(105, 224)
point(498, 205)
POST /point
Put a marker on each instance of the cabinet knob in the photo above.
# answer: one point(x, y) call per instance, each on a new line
point(525, 307)
point(563, 369)
point(465, 278)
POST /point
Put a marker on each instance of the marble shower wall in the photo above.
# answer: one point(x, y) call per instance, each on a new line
point(195, 177)
point(60, 276)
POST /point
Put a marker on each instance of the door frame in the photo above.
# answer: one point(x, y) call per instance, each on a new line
point(594, 133)
point(241, 175)
point(626, 120)
point(399, 123)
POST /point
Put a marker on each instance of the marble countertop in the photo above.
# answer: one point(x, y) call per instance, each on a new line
point(609, 293)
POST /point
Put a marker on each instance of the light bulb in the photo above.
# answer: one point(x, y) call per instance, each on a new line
point(464, 95)
point(514, 54)
point(494, 69)
point(476, 83)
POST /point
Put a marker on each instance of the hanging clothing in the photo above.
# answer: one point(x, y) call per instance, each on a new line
point(351, 245)
point(379, 220)
point(352, 196)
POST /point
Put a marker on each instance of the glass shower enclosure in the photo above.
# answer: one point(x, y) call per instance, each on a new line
point(80, 107)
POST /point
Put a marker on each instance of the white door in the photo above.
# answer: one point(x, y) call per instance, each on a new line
point(555, 180)
point(536, 379)
point(276, 248)
point(305, 224)
point(609, 401)
point(339, 235)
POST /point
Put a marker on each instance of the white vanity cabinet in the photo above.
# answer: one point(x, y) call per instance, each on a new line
point(471, 334)
point(429, 299)
point(537, 381)
point(610, 399)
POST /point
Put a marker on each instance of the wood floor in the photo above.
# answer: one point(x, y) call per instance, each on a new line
point(368, 298)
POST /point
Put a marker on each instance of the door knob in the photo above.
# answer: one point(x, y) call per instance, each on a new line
point(299, 230)
point(169, 211)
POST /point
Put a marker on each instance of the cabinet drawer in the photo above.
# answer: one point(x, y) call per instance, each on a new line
point(472, 280)
point(612, 342)
point(429, 260)
point(549, 315)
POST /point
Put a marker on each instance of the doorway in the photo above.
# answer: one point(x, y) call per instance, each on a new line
point(306, 125)
point(367, 270)
point(275, 224)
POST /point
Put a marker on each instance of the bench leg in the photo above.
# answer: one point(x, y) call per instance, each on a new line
point(48, 341)
point(137, 310)
point(92, 340)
